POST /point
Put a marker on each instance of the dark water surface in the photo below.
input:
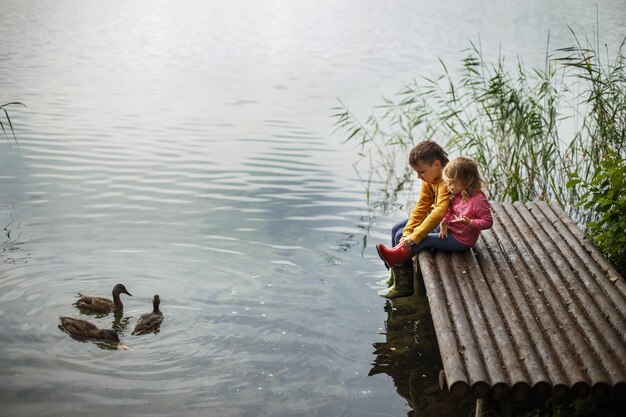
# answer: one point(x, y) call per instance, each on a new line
point(185, 149)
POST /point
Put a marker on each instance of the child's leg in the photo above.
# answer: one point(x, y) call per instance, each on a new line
point(448, 244)
point(396, 232)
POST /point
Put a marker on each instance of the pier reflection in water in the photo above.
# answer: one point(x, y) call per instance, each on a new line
point(410, 356)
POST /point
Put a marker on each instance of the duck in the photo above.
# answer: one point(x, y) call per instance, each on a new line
point(149, 321)
point(101, 304)
point(86, 329)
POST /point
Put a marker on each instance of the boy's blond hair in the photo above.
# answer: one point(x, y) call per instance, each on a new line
point(427, 151)
point(465, 171)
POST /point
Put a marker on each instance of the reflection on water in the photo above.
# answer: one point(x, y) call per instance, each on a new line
point(11, 247)
point(410, 356)
point(120, 323)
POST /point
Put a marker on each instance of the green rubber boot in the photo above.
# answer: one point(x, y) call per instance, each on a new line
point(403, 283)
point(388, 281)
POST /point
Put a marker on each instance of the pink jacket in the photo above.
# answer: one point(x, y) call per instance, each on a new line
point(478, 209)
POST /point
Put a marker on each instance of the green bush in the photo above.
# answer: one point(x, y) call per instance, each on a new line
point(603, 197)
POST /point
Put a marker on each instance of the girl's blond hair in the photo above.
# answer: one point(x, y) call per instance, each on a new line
point(465, 171)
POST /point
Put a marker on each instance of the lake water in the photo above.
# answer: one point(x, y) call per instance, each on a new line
point(186, 149)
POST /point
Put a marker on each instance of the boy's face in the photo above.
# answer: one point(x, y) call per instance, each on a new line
point(428, 172)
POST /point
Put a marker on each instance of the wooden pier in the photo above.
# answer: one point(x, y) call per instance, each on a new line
point(532, 308)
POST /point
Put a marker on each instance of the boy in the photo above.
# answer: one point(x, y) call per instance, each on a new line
point(427, 159)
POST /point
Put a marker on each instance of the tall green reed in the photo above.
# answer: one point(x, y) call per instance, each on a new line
point(6, 125)
point(517, 124)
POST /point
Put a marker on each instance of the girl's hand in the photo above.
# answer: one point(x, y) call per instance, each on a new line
point(443, 230)
point(465, 220)
point(407, 242)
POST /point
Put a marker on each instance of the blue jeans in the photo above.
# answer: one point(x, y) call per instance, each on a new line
point(431, 241)
point(396, 232)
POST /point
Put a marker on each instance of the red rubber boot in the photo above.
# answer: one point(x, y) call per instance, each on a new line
point(397, 255)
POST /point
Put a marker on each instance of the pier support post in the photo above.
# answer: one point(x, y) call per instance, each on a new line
point(479, 407)
point(418, 280)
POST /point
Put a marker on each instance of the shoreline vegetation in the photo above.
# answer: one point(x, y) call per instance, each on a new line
point(6, 125)
point(556, 133)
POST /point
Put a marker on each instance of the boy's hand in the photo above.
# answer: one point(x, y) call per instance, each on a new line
point(443, 230)
point(407, 242)
point(465, 220)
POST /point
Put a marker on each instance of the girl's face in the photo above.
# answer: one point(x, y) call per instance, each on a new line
point(454, 186)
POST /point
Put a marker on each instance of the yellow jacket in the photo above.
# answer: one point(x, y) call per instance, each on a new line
point(434, 199)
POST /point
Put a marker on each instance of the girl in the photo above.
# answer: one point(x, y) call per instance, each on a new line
point(469, 213)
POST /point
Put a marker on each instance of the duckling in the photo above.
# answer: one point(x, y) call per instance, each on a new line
point(150, 321)
point(101, 304)
point(84, 328)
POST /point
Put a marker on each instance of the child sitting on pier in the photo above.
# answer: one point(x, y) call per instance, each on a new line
point(428, 160)
point(469, 212)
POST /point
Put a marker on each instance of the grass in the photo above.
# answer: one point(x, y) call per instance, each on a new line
point(6, 125)
point(528, 129)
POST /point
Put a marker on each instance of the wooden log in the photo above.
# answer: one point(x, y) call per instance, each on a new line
point(419, 288)
point(604, 274)
point(561, 392)
point(521, 392)
point(499, 290)
point(581, 389)
point(500, 391)
point(477, 375)
point(608, 270)
point(467, 273)
point(533, 312)
point(443, 382)
point(537, 355)
point(576, 311)
point(459, 388)
point(512, 371)
point(582, 249)
point(601, 391)
point(588, 277)
point(540, 318)
point(540, 274)
point(619, 391)
point(456, 377)
point(590, 308)
point(585, 255)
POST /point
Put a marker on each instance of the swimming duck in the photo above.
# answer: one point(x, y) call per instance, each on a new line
point(84, 328)
point(150, 321)
point(101, 304)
